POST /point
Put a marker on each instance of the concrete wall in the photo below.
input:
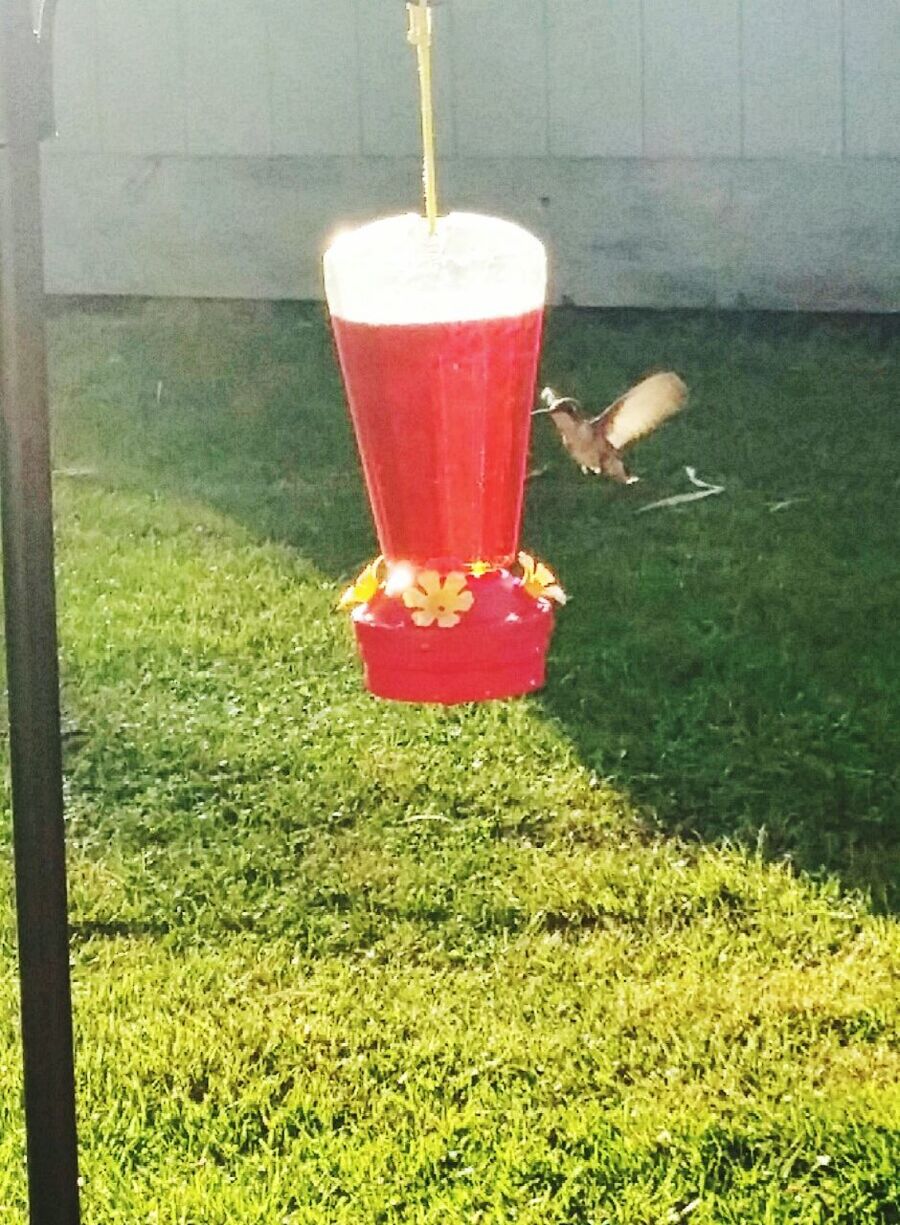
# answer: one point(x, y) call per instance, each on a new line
point(672, 152)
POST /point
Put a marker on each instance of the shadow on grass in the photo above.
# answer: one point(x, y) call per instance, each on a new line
point(732, 664)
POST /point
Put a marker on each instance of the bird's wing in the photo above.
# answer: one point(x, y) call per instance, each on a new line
point(638, 413)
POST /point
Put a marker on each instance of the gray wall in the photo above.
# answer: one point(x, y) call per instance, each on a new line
point(671, 152)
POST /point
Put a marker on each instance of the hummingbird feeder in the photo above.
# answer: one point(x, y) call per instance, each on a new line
point(437, 322)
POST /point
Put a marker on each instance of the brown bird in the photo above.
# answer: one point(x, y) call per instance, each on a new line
point(597, 443)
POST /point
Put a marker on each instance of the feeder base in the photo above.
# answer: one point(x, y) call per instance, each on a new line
point(498, 650)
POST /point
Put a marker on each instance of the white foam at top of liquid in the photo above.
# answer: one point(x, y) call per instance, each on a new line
point(393, 271)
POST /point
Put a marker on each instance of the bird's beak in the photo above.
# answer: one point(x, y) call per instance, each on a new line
point(546, 397)
point(552, 402)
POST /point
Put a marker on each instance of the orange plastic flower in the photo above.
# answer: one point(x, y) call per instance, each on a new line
point(539, 580)
point(365, 587)
point(437, 600)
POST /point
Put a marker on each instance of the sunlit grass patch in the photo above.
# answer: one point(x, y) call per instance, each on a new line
point(622, 953)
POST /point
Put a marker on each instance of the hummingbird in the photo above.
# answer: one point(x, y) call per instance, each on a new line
point(596, 443)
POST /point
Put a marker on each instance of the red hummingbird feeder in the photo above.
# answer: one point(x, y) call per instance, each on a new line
point(437, 323)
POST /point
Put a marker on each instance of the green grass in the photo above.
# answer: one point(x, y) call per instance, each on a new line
point(625, 952)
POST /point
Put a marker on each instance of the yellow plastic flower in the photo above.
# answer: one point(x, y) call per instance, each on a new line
point(539, 580)
point(365, 587)
point(437, 600)
point(478, 568)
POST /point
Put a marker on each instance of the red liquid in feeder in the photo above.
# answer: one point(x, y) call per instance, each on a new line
point(442, 413)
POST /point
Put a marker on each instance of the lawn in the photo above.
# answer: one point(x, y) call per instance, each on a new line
point(623, 952)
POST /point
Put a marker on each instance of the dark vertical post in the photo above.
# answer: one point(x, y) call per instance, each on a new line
point(31, 646)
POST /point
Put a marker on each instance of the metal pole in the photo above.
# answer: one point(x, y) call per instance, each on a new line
point(31, 647)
